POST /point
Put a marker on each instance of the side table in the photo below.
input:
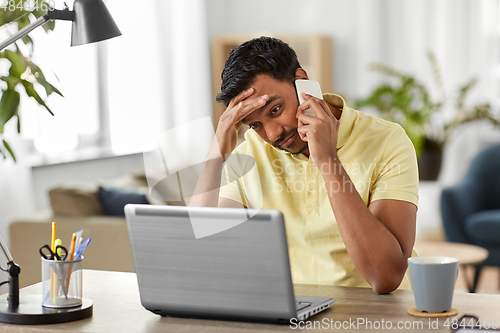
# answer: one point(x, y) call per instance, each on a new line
point(467, 255)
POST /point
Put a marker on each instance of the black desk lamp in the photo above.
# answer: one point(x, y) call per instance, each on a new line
point(92, 22)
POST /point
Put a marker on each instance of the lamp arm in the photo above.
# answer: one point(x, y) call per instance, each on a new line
point(24, 31)
point(55, 14)
point(5, 251)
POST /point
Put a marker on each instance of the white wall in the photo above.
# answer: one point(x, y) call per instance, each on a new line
point(96, 171)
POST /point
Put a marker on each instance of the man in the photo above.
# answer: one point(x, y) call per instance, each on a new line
point(345, 181)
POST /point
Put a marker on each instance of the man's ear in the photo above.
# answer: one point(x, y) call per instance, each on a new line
point(301, 74)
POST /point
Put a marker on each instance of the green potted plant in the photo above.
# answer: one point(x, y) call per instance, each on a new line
point(23, 75)
point(408, 102)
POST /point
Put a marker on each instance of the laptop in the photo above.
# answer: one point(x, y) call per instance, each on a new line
point(241, 272)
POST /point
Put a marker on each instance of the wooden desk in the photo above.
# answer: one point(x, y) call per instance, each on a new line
point(117, 308)
point(467, 254)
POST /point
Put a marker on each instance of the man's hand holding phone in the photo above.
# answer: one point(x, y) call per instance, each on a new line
point(320, 130)
point(309, 87)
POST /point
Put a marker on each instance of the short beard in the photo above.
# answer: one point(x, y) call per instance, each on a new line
point(278, 142)
point(301, 150)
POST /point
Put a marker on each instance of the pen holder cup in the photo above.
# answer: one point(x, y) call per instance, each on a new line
point(61, 283)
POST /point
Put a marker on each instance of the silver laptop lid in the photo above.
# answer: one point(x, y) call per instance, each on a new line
point(241, 272)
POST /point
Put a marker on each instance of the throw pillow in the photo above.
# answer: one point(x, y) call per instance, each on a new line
point(75, 200)
point(114, 199)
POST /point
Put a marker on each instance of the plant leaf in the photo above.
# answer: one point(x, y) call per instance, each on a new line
point(40, 77)
point(12, 15)
point(49, 88)
point(11, 81)
point(462, 94)
point(438, 78)
point(7, 146)
point(27, 40)
point(42, 4)
point(18, 66)
point(30, 90)
point(23, 21)
point(384, 69)
point(18, 123)
point(9, 104)
point(49, 25)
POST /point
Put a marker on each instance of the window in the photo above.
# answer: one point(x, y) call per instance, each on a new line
point(72, 71)
point(113, 90)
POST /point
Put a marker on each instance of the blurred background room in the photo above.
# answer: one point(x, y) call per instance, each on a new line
point(437, 62)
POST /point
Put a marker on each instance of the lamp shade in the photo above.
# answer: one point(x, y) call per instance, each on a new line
point(92, 23)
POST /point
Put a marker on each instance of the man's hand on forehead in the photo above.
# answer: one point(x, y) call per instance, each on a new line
point(244, 104)
point(230, 121)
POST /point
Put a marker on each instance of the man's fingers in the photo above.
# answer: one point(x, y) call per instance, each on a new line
point(303, 130)
point(240, 97)
point(313, 103)
point(251, 105)
point(325, 107)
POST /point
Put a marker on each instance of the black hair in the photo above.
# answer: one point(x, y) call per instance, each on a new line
point(263, 55)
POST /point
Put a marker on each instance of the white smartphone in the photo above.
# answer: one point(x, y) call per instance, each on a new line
point(309, 87)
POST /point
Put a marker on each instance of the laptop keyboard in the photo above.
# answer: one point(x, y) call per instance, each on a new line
point(302, 305)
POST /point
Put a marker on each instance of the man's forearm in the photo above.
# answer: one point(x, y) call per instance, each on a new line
point(206, 193)
point(375, 251)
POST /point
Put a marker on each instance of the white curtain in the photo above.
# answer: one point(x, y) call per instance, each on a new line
point(185, 68)
point(189, 60)
point(158, 71)
point(185, 48)
point(188, 75)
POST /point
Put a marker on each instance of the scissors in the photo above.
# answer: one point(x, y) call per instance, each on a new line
point(60, 254)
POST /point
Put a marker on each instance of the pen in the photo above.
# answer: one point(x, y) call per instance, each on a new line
point(70, 267)
point(53, 248)
point(53, 239)
point(78, 234)
point(82, 248)
point(55, 282)
point(72, 248)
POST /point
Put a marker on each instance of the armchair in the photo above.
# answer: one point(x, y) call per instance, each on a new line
point(471, 209)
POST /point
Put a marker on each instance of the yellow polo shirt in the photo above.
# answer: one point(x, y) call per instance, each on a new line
point(380, 160)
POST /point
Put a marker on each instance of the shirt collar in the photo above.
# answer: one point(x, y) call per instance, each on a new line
point(347, 117)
